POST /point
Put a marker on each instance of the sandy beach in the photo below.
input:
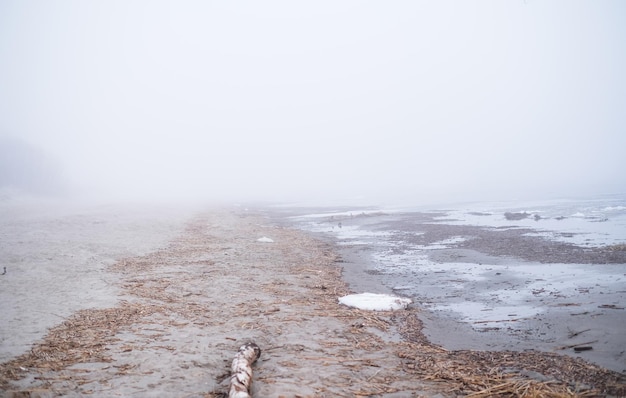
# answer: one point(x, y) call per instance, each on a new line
point(159, 305)
point(57, 255)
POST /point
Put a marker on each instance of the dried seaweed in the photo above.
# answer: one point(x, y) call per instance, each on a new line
point(166, 287)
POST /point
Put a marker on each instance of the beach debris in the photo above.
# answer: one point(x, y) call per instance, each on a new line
point(5, 271)
point(573, 334)
point(611, 306)
point(565, 347)
point(567, 304)
point(583, 348)
point(516, 216)
point(579, 313)
point(241, 369)
point(375, 302)
point(96, 337)
point(500, 320)
point(617, 247)
point(265, 239)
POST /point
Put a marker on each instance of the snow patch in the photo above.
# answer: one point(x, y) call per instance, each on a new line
point(375, 302)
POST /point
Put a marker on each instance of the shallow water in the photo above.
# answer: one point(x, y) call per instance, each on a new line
point(492, 282)
point(590, 223)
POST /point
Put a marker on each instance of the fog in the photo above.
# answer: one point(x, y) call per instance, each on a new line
point(412, 101)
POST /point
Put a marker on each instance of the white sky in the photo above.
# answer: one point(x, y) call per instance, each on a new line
point(418, 100)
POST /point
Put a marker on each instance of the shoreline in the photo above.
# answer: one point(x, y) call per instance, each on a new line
point(184, 309)
point(475, 290)
point(56, 258)
point(560, 327)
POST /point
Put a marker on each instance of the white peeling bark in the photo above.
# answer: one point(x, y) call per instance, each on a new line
point(241, 369)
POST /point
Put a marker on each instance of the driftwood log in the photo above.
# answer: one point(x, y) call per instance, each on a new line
point(241, 369)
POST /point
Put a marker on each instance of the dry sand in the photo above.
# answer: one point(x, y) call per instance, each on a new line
point(180, 312)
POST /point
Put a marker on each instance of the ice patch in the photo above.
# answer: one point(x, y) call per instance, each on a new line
point(615, 208)
point(353, 243)
point(355, 232)
point(444, 244)
point(348, 213)
point(481, 315)
point(375, 302)
point(585, 224)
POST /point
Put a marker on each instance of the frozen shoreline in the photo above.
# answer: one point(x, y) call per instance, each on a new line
point(463, 312)
point(478, 290)
point(228, 277)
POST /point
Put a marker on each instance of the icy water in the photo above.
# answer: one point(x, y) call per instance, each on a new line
point(532, 275)
point(587, 223)
point(590, 222)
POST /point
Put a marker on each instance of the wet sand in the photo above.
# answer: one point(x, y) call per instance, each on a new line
point(56, 258)
point(168, 322)
point(491, 289)
point(592, 318)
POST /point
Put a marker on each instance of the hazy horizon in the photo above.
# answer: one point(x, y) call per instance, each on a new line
point(373, 102)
